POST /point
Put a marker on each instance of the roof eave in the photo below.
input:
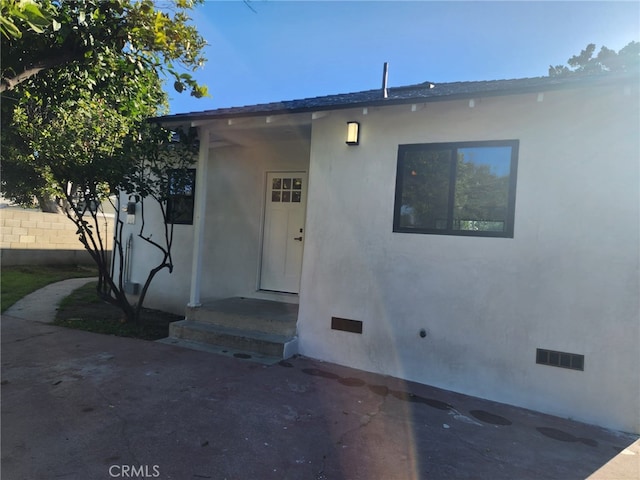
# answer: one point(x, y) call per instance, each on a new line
point(561, 84)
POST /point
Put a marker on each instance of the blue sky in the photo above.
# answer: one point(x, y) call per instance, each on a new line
point(279, 50)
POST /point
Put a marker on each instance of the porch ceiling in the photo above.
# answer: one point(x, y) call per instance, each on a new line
point(259, 129)
point(246, 136)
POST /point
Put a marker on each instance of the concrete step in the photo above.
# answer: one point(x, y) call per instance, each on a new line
point(248, 314)
point(269, 344)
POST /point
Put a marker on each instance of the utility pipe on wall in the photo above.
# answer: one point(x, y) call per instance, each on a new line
point(385, 74)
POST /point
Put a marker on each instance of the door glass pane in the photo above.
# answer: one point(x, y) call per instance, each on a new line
point(276, 183)
point(482, 189)
point(425, 189)
point(286, 196)
point(296, 196)
point(286, 184)
point(275, 196)
point(297, 184)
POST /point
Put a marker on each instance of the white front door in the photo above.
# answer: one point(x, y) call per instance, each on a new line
point(285, 207)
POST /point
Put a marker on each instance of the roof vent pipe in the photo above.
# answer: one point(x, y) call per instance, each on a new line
point(385, 72)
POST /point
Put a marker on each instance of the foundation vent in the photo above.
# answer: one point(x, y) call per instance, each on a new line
point(346, 325)
point(572, 361)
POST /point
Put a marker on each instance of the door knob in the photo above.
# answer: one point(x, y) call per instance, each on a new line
point(298, 238)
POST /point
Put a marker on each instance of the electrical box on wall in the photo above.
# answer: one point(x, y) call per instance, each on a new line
point(132, 288)
point(131, 213)
point(131, 209)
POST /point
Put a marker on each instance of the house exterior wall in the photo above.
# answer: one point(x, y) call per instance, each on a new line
point(235, 214)
point(168, 291)
point(233, 227)
point(567, 281)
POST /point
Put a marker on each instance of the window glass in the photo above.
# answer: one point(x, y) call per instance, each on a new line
point(286, 190)
point(463, 188)
point(425, 189)
point(180, 201)
point(482, 189)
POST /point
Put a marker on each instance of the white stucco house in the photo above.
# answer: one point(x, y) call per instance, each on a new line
point(482, 237)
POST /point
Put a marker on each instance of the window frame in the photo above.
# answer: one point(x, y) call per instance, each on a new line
point(453, 147)
point(172, 196)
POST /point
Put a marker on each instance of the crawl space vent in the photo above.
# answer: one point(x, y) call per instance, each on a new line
point(346, 325)
point(572, 361)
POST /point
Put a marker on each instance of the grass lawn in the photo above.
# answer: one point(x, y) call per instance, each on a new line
point(18, 281)
point(84, 310)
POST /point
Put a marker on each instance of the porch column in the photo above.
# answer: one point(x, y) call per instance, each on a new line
point(200, 202)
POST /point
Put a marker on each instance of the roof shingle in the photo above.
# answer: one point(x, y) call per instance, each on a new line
point(422, 92)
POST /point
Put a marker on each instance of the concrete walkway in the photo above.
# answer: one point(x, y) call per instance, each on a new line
point(42, 304)
point(82, 405)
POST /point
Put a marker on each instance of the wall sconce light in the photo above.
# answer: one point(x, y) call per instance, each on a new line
point(353, 133)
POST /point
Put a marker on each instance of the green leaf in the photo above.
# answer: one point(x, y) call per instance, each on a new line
point(9, 29)
point(36, 28)
point(32, 10)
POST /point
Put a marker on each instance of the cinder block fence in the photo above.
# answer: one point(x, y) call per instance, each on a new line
point(30, 237)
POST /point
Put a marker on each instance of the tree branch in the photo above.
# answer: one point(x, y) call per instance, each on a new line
point(9, 83)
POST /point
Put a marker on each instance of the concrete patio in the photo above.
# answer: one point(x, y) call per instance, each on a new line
point(82, 405)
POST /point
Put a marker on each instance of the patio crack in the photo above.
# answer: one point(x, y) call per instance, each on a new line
point(365, 420)
point(30, 337)
point(123, 427)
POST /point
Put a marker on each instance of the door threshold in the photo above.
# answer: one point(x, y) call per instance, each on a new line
point(280, 292)
point(285, 297)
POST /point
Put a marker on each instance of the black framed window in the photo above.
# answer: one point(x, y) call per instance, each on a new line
point(180, 200)
point(464, 188)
